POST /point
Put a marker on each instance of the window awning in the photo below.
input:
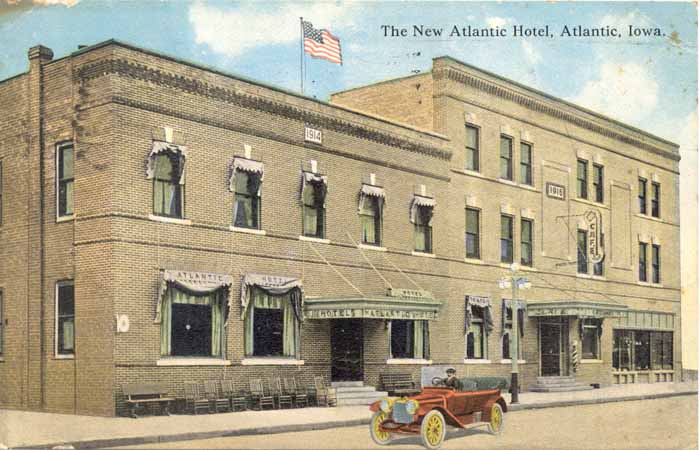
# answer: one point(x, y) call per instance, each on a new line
point(598, 309)
point(244, 165)
point(372, 191)
point(418, 201)
point(272, 285)
point(195, 283)
point(321, 184)
point(395, 307)
point(166, 147)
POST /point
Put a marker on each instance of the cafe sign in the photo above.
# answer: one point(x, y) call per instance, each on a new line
point(595, 228)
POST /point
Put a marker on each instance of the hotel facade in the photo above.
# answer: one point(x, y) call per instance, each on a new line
point(166, 222)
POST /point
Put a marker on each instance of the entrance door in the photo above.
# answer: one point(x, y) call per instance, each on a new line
point(550, 348)
point(346, 350)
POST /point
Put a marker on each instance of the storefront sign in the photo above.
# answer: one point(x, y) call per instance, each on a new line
point(369, 313)
point(312, 135)
point(595, 250)
point(556, 191)
point(409, 293)
point(197, 281)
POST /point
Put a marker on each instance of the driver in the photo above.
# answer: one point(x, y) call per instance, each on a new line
point(452, 380)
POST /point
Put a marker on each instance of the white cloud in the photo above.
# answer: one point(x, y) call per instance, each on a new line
point(67, 3)
point(621, 22)
point(495, 21)
point(235, 31)
point(625, 91)
point(532, 55)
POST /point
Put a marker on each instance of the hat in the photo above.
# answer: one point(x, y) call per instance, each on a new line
point(450, 370)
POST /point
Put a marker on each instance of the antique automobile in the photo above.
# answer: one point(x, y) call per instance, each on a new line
point(471, 403)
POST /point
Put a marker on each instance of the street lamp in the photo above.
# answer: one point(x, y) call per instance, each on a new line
point(514, 282)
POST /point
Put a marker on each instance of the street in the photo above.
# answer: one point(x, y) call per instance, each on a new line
point(669, 423)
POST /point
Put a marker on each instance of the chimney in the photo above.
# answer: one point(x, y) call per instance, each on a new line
point(40, 54)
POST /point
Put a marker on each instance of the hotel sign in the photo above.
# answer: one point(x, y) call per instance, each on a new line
point(312, 135)
point(556, 191)
point(369, 313)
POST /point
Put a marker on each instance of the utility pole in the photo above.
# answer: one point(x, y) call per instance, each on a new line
point(514, 282)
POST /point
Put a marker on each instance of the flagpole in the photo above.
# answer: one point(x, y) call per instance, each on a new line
point(301, 54)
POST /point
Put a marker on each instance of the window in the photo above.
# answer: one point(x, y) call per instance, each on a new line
point(271, 326)
point(598, 185)
point(655, 199)
point(409, 339)
point(526, 242)
point(590, 339)
point(476, 336)
point(506, 239)
point(167, 191)
point(642, 350)
point(370, 220)
point(192, 325)
point(314, 212)
point(642, 195)
point(642, 261)
point(471, 235)
point(507, 334)
point(506, 158)
point(246, 206)
point(472, 148)
point(582, 178)
point(655, 264)
point(598, 268)
point(2, 322)
point(65, 318)
point(662, 350)
point(525, 163)
point(581, 252)
point(423, 232)
point(64, 177)
point(0, 193)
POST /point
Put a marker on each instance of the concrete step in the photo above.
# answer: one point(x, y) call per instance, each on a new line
point(556, 385)
point(373, 395)
point(337, 384)
point(356, 389)
point(580, 387)
point(547, 380)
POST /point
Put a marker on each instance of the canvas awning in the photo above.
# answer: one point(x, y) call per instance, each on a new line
point(390, 307)
point(273, 285)
point(421, 201)
point(597, 309)
point(320, 185)
point(195, 283)
point(178, 151)
point(481, 302)
point(245, 165)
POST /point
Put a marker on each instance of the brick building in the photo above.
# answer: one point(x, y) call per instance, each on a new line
point(166, 222)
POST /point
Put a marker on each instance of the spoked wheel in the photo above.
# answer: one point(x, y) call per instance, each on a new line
point(433, 429)
point(497, 420)
point(378, 436)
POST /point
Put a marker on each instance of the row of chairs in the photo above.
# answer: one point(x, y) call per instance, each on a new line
point(275, 393)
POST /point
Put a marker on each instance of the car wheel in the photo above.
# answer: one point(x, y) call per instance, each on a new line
point(433, 429)
point(497, 419)
point(379, 436)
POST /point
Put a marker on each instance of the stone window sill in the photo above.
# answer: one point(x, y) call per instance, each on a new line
point(64, 357)
point(583, 275)
point(247, 230)
point(590, 202)
point(508, 182)
point(376, 248)
point(529, 187)
point(65, 218)
point(192, 362)
point(477, 361)
point(406, 361)
point(473, 173)
point(591, 361)
point(473, 261)
point(169, 220)
point(314, 239)
point(649, 217)
point(263, 361)
point(508, 361)
point(423, 254)
point(528, 268)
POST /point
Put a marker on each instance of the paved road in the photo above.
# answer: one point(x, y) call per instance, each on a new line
point(670, 423)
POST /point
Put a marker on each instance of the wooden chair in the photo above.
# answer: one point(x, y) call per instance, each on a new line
point(218, 401)
point(238, 399)
point(321, 391)
point(284, 397)
point(259, 396)
point(300, 396)
point(193, 399)
point(331, 397)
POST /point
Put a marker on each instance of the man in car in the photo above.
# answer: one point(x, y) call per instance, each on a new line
point(452, 380)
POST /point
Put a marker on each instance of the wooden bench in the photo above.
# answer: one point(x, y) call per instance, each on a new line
point(398, 383)
point(147, 394)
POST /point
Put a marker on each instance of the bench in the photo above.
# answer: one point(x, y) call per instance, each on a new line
point(398, 384)
point(147, 394)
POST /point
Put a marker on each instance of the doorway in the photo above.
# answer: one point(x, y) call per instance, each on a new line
point(346, 350)
point(553, 346)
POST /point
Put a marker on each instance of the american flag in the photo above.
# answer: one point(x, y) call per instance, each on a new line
point(321, 43)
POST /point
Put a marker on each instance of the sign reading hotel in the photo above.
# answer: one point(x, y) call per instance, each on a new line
point(312, 135)
point(369, 313)
point(556, 191)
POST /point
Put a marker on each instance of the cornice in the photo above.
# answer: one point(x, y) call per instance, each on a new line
point(458, 76)
point(129, 69)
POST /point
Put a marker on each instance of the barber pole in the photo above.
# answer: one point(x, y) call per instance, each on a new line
point(574, 357)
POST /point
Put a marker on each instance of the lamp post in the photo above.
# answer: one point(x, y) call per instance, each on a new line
point(514, 282)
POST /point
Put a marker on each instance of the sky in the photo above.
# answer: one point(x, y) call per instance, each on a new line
point(648, 82)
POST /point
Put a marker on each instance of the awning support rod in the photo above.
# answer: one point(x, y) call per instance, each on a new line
point(368, 261)
point(334, 268)
point(402, 272)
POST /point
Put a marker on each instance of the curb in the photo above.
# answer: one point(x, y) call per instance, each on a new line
point(120, 442)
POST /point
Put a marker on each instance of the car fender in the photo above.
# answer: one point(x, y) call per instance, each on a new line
point(486, 412)
point(449, 417)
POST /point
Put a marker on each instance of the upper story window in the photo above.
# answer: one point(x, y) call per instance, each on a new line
point(168, 196)
point(64, 177)
point(313, 197)
point(506, 158)
point(643, 261)
point(599, 268)
point(581, 251)
point(246, 203)
point(422, 218)
point(525, 163)
point(642, 196)
point(598, 184)
point(65, 318)
point(471, 235)
point(655, 264)
point(1, 189)
point(526, 242)
point(472, 148)
point(370, 211)
point(582, 178)
point(655, 199)
point(2, 322)
point(506, 239)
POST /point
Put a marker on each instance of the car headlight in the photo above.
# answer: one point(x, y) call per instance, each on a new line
point(385, 405)
point(412, 406)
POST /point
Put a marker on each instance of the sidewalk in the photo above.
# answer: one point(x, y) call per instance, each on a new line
point(36, 429)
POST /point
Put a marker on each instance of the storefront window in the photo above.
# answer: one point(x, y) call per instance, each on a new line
point(410, 339)
point(643, 350)
point(507, 334)
point(590, 339)
point(271, 327)
point(476, 335)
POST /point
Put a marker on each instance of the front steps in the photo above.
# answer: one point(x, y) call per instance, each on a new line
point(356, 393)
point(558, 384)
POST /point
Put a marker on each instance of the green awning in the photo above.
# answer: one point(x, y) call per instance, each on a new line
point(580, 308)
point(372, 307)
